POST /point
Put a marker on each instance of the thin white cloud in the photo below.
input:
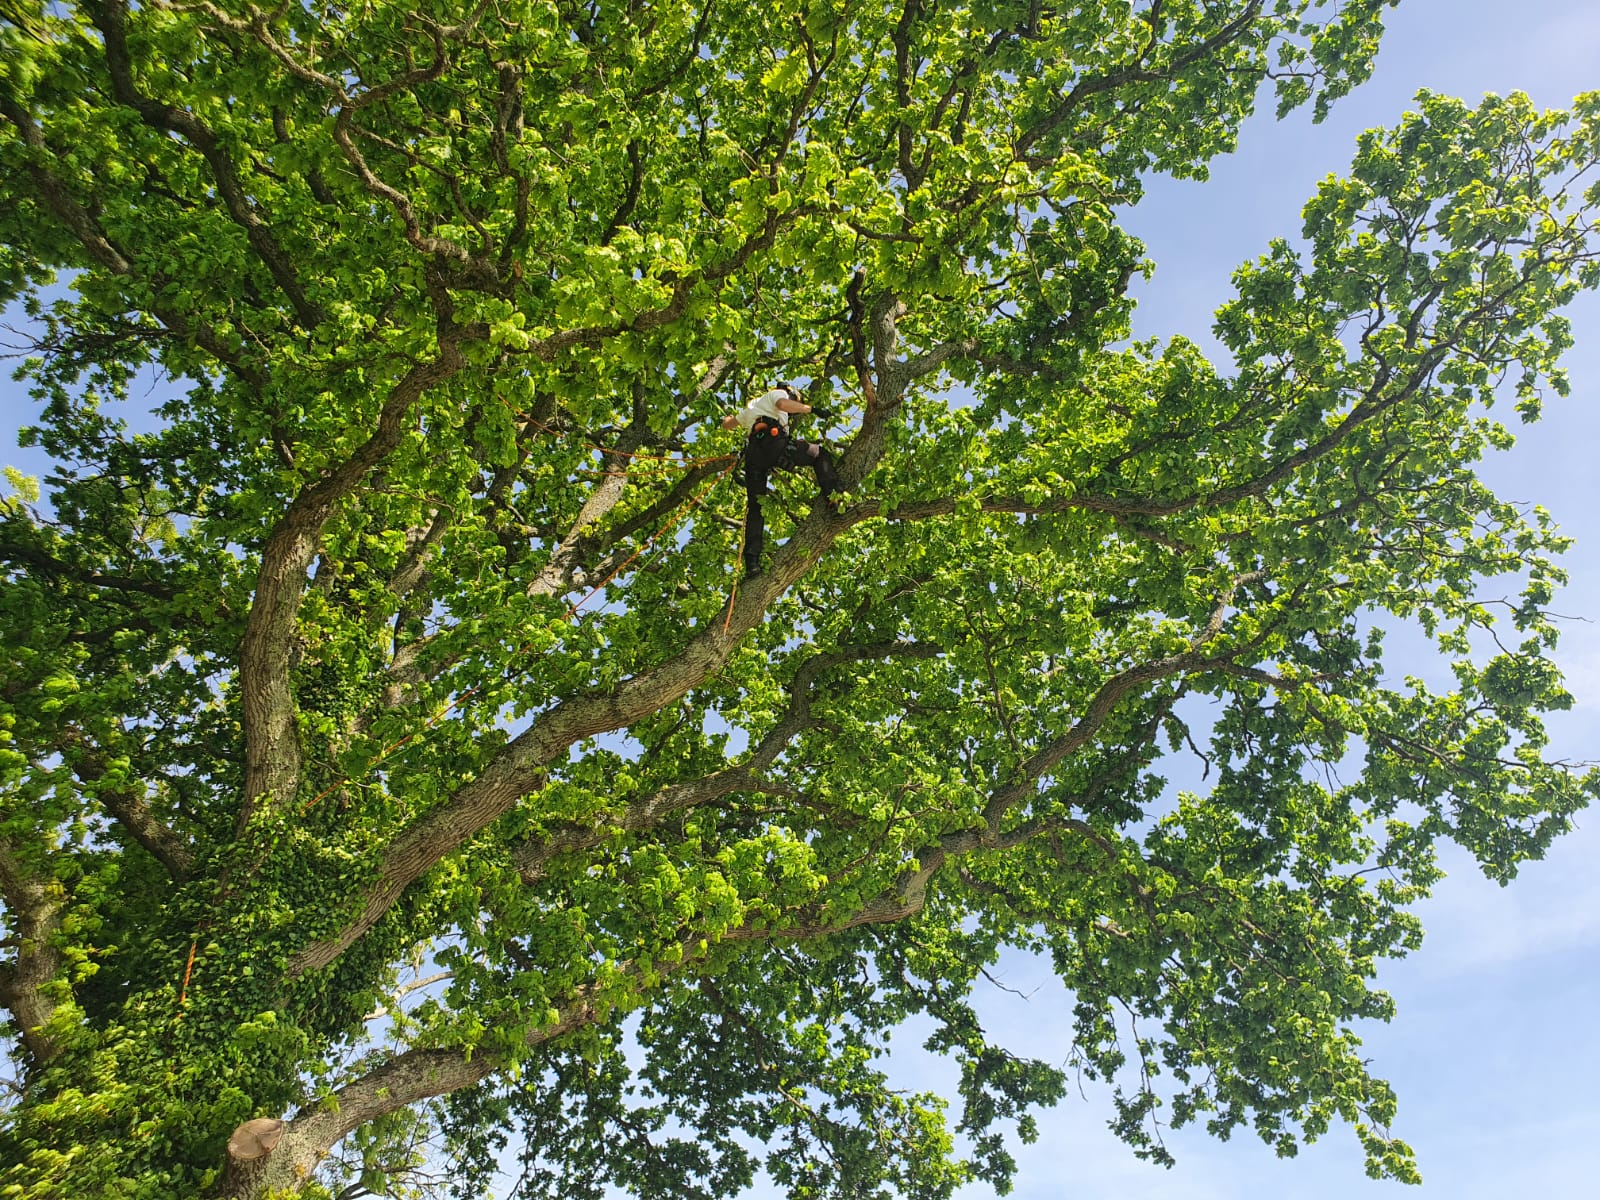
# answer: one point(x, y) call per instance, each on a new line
point(1568, 43)
point(1474, 925)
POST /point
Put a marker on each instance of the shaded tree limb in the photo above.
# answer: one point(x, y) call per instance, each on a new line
point(58, 197)
point(129, 806)
point(46, 563)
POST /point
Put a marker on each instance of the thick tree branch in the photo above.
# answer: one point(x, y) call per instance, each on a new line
point(630, 194)
point(413, 564)
point(858, 337)
point(557, 573)
point(58, 197)
point(583, 542)
point(272, 751)
point(887, 310)
point(931, 360)
point(50, 565)
point(900, 37)
point(35, 905)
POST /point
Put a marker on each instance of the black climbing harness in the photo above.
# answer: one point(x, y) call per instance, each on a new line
point(770, 447)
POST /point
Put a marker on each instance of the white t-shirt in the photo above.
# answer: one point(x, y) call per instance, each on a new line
point(764, 405)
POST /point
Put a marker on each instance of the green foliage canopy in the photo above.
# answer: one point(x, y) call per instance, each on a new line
point(409, 641)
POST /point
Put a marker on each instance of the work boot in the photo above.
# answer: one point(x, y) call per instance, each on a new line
point(827, 472)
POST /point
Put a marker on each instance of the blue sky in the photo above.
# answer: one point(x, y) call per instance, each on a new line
point(1496, 1048)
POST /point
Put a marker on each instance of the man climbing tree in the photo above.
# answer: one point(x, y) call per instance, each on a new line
point(333, 820)
point(768, 446)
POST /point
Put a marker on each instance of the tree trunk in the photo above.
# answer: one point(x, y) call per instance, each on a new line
point(249, 1150)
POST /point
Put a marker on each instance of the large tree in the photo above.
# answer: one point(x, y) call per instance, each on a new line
point(389, 746)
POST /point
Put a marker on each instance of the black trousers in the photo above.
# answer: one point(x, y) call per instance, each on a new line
point(765, 452)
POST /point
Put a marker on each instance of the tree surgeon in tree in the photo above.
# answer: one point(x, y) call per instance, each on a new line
point(295, 714)
point(769, 446)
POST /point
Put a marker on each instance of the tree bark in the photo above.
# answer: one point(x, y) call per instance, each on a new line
point(249, 1155)
point(35, 904)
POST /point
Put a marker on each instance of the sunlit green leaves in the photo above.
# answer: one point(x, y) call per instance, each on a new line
point(942, 742)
